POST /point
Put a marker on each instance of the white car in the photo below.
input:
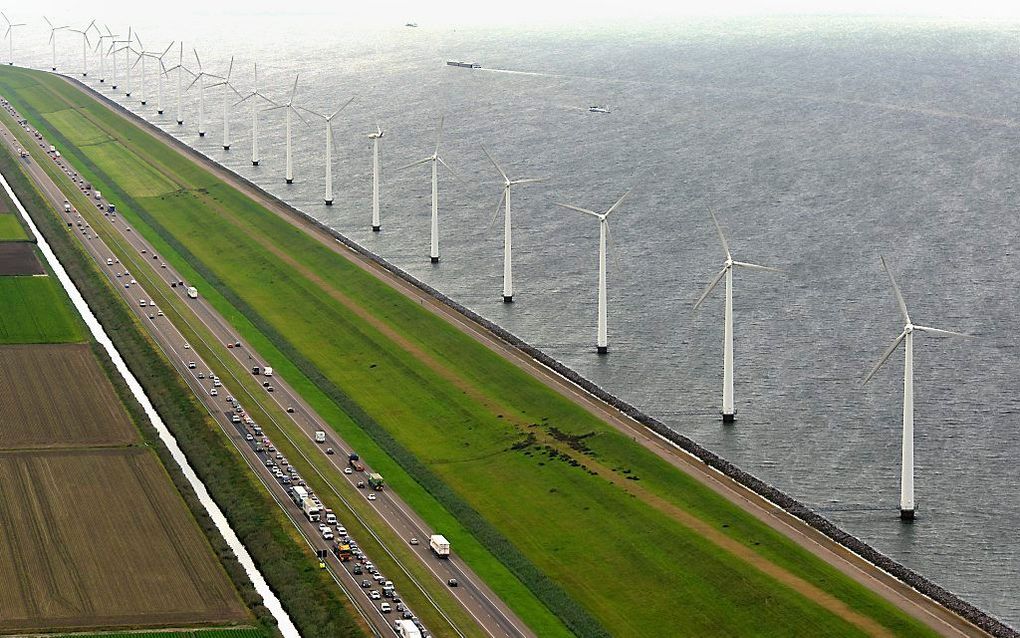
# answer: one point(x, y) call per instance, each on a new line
point(213, 392)
point(371, 496)
point(348, 470)
point(187, 346)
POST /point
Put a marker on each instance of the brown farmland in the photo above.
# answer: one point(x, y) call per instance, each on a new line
point(58, 396)
point(100, 538)
point(18, 258)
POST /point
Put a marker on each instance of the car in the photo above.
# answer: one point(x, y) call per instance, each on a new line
point(269, 463)
point(361, 485)
point(144, 251)
point(400, 607)
point(118, 275)
point(329, 450)
point(340, 529)
point(151, 316)
point(357, 571)
point(371, 496)
point(348, 470)
point(452, 582)
point(365, 584)
point(290, 409)
point(327, 535)
point(369, 565)
point(414, 540)
point(133, 282)
point(237, 344)
point(159, 314)
point(191, 365)
point(375, 594)
point(187, 346)
point(407, 614)
point(162, 265)
point(201, 375)
point(385, 608)
point(270, 389)
point(230, 345)
point(279, 455)
point(213, 392)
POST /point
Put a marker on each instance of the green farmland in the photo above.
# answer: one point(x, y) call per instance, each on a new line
point(575, 525)
point(200, 633)
point(36, 311)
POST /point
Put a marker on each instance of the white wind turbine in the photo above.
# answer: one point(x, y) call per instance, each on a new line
point(102, 52)
point(85, 44)
point(160, 72)
point(508, 273)
point(142, 54)
point(181, 70)
point(907, 451)
point(602, 340)
point(328, 198)
point(289, 108)
point(9, 34)
point(127, 61)
point(375, 137)
point(255, 93)
point(112, 52)
point(436, 161)
point(728, 410)
point(200, 79)
point(227, 87)
point(53, 40)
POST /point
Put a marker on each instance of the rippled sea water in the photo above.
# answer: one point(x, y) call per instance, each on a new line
point(821, 143)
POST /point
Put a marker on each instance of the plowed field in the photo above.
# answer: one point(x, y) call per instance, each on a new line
point(99, 538)
point(58, 396)
point(18, 258)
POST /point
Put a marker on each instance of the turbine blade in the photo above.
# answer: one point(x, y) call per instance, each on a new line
point(885, 356)
point(711, 286)
point(499, 206)
point(421, 161)
point(230, 69)
point(487, 154)
point(199, 62)
point(294, 90)
point(315, 113)
point(896, 289)
point(439, 134)
point(722, 237)
point(618, 202)
point(298, 114)
point(744, 264)
point(167, 50)
point(378, 129)
point(346, 104)
point(528, 180)
point(48, 21)
point(443, 162)
point(580, 210)
point(939, 331)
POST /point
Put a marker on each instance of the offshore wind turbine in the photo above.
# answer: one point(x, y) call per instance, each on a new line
point(508, 273)
point(142, 54)
point(85, 44)
point(289, 108)
point(907, 450)
point(328, 197)
point(435, 159)
point(200, 79)
point(9, 34)
point(159, 78)
point(227, 87)
point(375, 137)
point(181, 70)
point(728, 411)
point(53, 40)
point(127, 61)
point(112, 52)
point(255, 93)
point(602, 337)
point(102, 52)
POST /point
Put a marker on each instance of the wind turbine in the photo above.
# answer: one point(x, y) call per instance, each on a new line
point(508, 273)
point(907, 451)
point(199, 78)
point(728, 411)
point(329, 147)
point(9, 34)
point(85, 44)
point(102, 52)
point(142, 54)
point(436, 160)
point(53, 40)
point(112, 52)
point(255, 116)
point(227, 86)
point(288, 108)
point(375, 137)
point(602, 342)
point(181, 70)
point(127, 61)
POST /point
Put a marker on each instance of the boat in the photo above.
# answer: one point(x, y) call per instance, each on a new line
point(597, 109)
point(466, 65)
point(411, 24)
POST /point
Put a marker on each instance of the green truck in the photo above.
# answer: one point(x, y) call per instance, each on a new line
point(375, 481)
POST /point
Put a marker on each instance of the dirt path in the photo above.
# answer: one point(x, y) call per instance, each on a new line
point(936, 616)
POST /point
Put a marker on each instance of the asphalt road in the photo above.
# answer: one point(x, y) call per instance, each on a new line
point(480, 602)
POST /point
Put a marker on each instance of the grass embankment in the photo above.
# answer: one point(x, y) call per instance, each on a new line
point(602, 532)
point(310, 597)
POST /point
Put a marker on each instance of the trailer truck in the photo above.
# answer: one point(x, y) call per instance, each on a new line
point(440, 546)
point(407, 629)
point(310, 509)
point(355, 462)
point(375, 481)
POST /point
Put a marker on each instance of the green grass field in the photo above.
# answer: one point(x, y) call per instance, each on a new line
point(198, 633)
point(566, 518)
point(35, 310)
point(11, 229)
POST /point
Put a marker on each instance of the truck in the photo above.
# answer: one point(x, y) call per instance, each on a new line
point(375, 481)
point(342, 551)
point(193, 292)
point(407, 629)
point(98, 195)
point(355, 462)
point(320, 436)
point(330, 517)
point(267, 371)
point(299, 494)
point(310, 509)
point(440, 546)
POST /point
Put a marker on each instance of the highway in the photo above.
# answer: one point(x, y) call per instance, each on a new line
point(490, 613)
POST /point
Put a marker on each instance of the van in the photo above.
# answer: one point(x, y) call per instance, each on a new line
point(53, 149)
point(67, 207)
point(141, 302)
point(109, 262)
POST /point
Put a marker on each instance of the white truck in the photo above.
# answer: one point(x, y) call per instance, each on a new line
point(267, 371)
point(311, 510)
point(193, 292)
point(299, 494)
point(320, 436)
point(440, 546)
point(407, 629)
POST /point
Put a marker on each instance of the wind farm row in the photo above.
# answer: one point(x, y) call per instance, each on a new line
point(136, 60)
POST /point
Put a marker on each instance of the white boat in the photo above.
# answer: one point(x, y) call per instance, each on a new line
point(597, 109)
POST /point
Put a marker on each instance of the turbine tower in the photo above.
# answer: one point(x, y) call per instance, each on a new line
point(9, 34)
point(200, 79)
point(375, 137)
point(102, 51)
point(436, 161)
point(112, 52)
point(127, 62)
point(53, 40)
point(227, 87)
point(181, 70)
point(85, 44)
point(508, 273)
point(328, 198)
point(289, 108)
point(602, 340)
point(728, 411)
point(907, 451)
point(255, 116)
point(142, 54)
